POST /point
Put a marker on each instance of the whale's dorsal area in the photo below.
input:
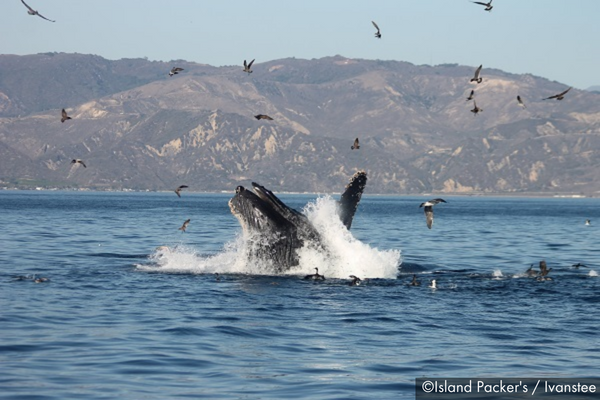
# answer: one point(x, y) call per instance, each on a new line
point(278, 231)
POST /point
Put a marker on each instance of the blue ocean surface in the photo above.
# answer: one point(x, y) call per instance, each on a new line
point(120, 319)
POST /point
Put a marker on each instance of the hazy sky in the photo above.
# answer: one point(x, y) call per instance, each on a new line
point(555, 39)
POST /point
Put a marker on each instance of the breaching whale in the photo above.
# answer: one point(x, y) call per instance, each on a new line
point(276, 232)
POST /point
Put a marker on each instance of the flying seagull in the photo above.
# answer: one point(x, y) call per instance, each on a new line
point(356, 145)
point(78, 161)
point(248, 66)
point(263, 116)
point(429, 210)
point(588, 222)
point(355, 280)
point(488, 6)
point(184, 226)
point(378, 33)
point(175, 71)
point(31, 11)
point(476, 109)
point(433, 283)
point(178, 190)
point(476, 77)
point(521, 102)
point(64, 116)
point(559, 96)
point(471, 95)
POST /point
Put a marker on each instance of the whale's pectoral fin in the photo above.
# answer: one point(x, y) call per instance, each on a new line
point(351, 197)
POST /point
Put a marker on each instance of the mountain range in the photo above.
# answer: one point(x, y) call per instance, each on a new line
point(138, 128)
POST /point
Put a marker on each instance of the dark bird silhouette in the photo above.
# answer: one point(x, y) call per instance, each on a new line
point(263, 116)
point(559, 96)
point(178, 190)
point(476, 77)
point(217, 277)
point(315, 276)
point(429, 210)
point(31, 11)
point(414, 281)
point(247, 67)
point(356, 145)
point(579, 265)
point(41, 280)
point(488, 6)
point(520, 102)
point(175, 71)
point(544, 271)
point(355, 280)
point(378, 33)
point(64, 116)
point(78, 161)
point(476, 109)
point(184, 226)
point(471, 95)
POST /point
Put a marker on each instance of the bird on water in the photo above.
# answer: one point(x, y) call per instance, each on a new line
point(315, 276)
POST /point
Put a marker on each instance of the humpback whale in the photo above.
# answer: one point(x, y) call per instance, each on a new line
point(276, 232)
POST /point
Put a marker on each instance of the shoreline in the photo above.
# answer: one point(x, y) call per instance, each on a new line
point(565, 195)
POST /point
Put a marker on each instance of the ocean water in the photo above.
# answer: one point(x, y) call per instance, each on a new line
point(118, 318)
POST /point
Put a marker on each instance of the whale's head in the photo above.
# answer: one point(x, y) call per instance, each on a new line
point(275, 231)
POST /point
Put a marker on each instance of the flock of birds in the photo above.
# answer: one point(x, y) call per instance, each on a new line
point(427, 206)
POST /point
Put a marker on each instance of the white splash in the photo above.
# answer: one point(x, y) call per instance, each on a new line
point(592, 273)
point(497, 274)
point(345, 255)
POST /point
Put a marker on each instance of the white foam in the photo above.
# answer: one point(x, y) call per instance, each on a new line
point(592, 273)
point(345, 255)
point(497, 274)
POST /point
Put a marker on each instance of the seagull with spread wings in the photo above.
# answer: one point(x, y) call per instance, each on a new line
point(378, 33)
point(64, 116)
point(178, 190)
point(31, 11)
point(175, 71)
point(263, 116)
point(559, 96)
point(184, 226)
point(476, 77)
point(78, 161)
point(476, 109)
point(488, 6)
point(247, 67)
point(428, 208)
point(521, 102)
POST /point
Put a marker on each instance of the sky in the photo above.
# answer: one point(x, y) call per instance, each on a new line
point(554, 39)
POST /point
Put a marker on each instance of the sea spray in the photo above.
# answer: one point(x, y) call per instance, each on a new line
point(344, 255)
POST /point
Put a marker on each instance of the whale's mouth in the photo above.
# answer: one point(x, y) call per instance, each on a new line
point(274, 232)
